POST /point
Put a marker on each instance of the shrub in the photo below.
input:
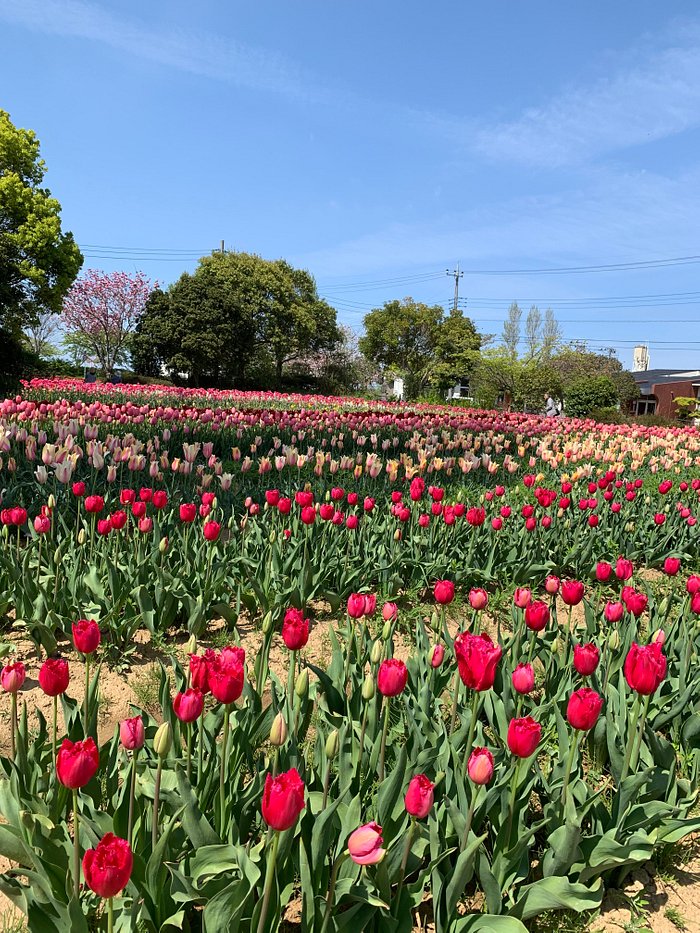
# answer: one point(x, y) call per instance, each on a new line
point(590, 393)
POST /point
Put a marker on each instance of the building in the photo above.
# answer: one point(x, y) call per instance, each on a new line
point(659, 388)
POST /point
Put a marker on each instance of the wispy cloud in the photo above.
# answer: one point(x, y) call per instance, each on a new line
point(196, 52)
point(647, 101)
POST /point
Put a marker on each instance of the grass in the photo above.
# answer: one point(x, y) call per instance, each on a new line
point(12, 922)
point(146, 687)
point(676, 918)
point(565, 921)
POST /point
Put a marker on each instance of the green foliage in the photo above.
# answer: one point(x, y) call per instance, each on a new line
point(239, 319)
point(429, 350)
point(589, 393)
point(38, 262)
point(576, 362)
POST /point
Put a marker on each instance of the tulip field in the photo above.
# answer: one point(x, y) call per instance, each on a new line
point(501, 714)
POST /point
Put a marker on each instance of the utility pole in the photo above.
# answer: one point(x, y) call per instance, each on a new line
point(457, 275)
point(222, 247)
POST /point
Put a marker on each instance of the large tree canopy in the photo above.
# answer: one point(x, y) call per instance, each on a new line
point(38, 262)
point(237, 318)
point(430, 350)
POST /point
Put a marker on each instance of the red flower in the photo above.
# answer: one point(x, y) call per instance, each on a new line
point(583, 708)
point(480, 766)
point(283, 799)
point(551, 585)
point(272, 497)
point(188, 706)
point(392, 677)
point(118, 520)
point(476, 516)
point(536, 615)
point(94, 504)
point(188, 512)
point(437, 655)
point(603, 571)
point(636, 602)
point(54, 677)
point(284, 506)
point(131, 733)
point(12, 677)
point(672, 565)
point(390, 612)
point(77, 762)
point(226, 675)
point(365, 844)
point(303, 498)
point(107, 868)
point(86, 635)
point(623, 568)
point(523, 678)
point(127, 496)
point(211, 531)
point(477, 660)
point(138, 509)
point(586, 658)
point(524, 736)
point(572, 592)
point(613, 612)
point(645, 667)
point(419, 796)
point(444, 592)
point(295, 629)
point(78, 489)
point(692, 584)
point(659, 518)
point(104, 526)
point(478, 599)
point(199, 670)
point(522, 597)
point(308, 515)
point(370, 604)
point(356, 605)
point(417, 488)
point(160, 499)
point(145, 494)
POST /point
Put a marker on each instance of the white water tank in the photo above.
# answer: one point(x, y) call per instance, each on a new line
point(640, 358)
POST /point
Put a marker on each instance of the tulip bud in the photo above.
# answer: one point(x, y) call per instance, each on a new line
point(278, 731)
point(664, 606)
point(556, 646)
point(81, 536)
point(332, 744)
point(397, 534)
point(386, 631)
point(435, 622)
point(301, 687)
point(163, 740)
point(368, 688)
point(191, 646)
point(614, 640)
point(163, 546)
point(377, 652)
point(273, 536)
point(267, 624)
point(659, 636)
point(51, 501)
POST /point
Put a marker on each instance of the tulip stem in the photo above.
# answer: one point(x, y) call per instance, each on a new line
point(200, 749)
point(455, 701)
point(188, 741)
point(290, 682)
point(55, 728)
point(348, 650)
point(638, 746)
point(385, 731)
point(110, 915)
point(470, 817)
point(472, 727)
point(575, 739)
point(269, 879)
point(631, 738)
point(132, 794)
point(156, 801)
point(513, 789)
point(87, 694)
point(362, 739)
point(222, 769)
point(404, 862)
point(326, 785)
point(14, 723)
point(331, 890)
point(76, 846)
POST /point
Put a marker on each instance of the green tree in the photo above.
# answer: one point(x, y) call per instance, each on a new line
point(38, 262)
point(587, 393)
point(237, 320)
point(577, 362)
point(457, 348)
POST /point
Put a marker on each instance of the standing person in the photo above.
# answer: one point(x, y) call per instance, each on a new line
point(550, 407)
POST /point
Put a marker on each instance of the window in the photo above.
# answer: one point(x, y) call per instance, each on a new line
point(646, 405)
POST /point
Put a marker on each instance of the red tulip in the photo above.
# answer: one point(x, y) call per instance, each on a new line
point(645, 667)
point(145, 525)
point(603, 571)
point(392, 677)
point(365, 844)
point(370, 604)
point(295, 629)
point(636, 602)
point(94, 504)
point(692, 584)
point(284, 506)
point(477, 660)
point(283, 799)
point(127, 496)
point(145, 494)
point(480, 766)
point(536, 615)
point(356, 605)
point(160, 499)
point(226, 675)
point(524, 736)
point(86, 635)
point(138, 509)
point(672, 565)
point(444, 592)
point(77, 762)
point(478, 599)
point(104, 526)
point(623, 568)
point(272, 497)
point(188, 512)
point(416, 488)
point(211, 531)
point(78, 489)
point(303, 498)
point(419, 796)
point(12, 677)
point(199, 670)
point(54, 677)
point(42, 524)
point(308, 515)
point(523, 678)
point(551, 585)
point(107, 868)
point(390, 612)
point(118, 520)
point(572, 592)
point(437, 655)
point(522, 597)
point(188, 706)
point(583, 708)
point(613, 612)
point(131, 733)
point(586, 658)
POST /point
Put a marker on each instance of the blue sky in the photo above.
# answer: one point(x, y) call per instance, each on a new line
point(379, 143)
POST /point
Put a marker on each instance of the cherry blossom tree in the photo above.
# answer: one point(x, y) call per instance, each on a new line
point(100, 313)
